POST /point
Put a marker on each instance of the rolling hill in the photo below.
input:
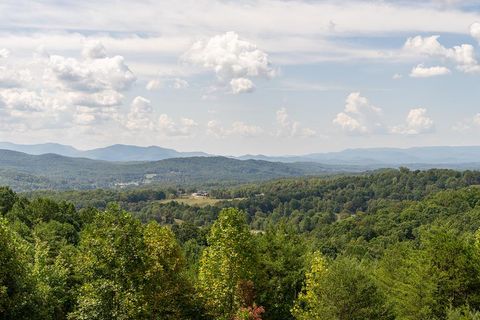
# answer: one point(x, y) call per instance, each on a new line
point(31, 172)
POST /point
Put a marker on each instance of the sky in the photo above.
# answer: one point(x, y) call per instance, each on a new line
point(240, 77)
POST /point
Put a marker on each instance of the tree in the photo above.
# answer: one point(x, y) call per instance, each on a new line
point(18, 298)
point(281, 261)
point(343, 291)
point(405, 276)
point(167, 293)
point(110, 264)
point(228, 260)
point(7, 199)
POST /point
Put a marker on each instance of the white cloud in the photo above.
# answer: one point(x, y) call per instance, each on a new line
point(359, 116)
point(154, 84)
point(141, 118)
point(214, 128)
point(106, 98)
point(168, 127)
point(245, 130)
point(94, 50)
point(140, 115)
point(241, 85)
point(349, 124)
point(417, 122)
point(397, 76)
point(4, 53)
point(12, 78)
point(240, 128)
point(290, 128)
point(426, 45)
point(91, 75)
point(233, 60)
point(463, 55)
point(420, 71)
point(174, 83)
point(467, 124)
point(21, 100)
point(475, 31)
point(54, 91)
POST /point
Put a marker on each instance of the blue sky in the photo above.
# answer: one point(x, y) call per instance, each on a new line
point(236, 77)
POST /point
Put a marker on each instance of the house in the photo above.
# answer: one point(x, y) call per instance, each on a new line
point(200, 194)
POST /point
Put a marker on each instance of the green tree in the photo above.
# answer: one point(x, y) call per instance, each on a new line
point(18, 298)
point(7, 199)
point(167, 293)
point(343, 291)
point(111, 265)
point(52, 282)
point(281, 261)
point(228, 260)
point(405, 276)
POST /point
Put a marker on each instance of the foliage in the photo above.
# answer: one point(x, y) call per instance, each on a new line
point(228, 260)
point(393, 244)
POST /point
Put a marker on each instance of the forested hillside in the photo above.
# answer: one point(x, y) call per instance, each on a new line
point(397, 244)
point(25, 172)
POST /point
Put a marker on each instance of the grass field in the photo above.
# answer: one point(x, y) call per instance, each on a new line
point(194, 201)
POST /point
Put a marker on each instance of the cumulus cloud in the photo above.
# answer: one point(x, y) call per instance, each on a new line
point(359, 116)
point(91, 75)
point(245, 130)
point(397, 76)
point(467, 124)
point(159, 83)
point(240, 128)
point(233, 60)
point(169, 127)
point(290, 128)
point(56, 91)
point(420, 71)
point(475, 31)
point(463, 55)
point(94, 50)
point(12, 78)
point(140, 115)
point(23, 109)
point(214, 128)
point(19, 100)
point(417, 122)
point(154, 84)
point(242, 85)
point(4, 53)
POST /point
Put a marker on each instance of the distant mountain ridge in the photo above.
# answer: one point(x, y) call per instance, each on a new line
point(376, 157)
point(386, 156)
point(116, 152)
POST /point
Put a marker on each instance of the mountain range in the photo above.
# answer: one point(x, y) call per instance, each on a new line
point(56, 166)
point(117, 152)
point(377, 157)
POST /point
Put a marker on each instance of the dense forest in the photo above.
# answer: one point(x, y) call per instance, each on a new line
point(25, 172)
point(394, 244)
